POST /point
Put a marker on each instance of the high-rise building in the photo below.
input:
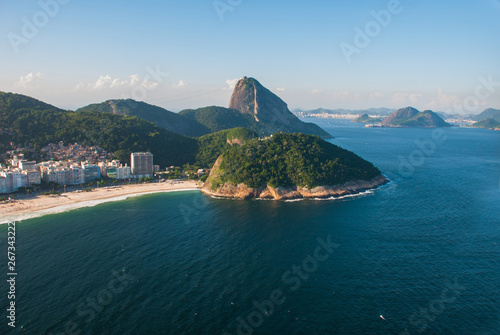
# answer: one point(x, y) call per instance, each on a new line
point(141, 164)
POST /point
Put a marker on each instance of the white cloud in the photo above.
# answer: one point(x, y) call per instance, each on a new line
point(231, 83)
point(105, 82)
point(316, 91)
point(280, 89)
point(444, 101)
point(180, 84)
point(403, 99)
point(376, 95)
point(30, 80)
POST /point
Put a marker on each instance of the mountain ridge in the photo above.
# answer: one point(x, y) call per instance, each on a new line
point(490, 113)
point(160, 116)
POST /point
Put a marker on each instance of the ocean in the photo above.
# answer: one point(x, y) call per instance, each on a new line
point(420, 255)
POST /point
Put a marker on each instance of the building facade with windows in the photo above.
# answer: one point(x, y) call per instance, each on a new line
point(141, 164)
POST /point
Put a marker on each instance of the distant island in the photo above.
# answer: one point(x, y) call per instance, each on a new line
point(290, 166)
point(407, 117)
point(365, 118)
point(411, 117)
point(487, 124)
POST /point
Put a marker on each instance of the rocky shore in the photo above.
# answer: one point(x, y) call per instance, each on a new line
point(241, 191)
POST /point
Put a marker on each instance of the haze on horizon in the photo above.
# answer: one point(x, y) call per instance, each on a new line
point(344, 54)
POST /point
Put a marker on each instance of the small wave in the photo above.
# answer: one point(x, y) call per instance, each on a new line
point(361, 194)
point(294, 200)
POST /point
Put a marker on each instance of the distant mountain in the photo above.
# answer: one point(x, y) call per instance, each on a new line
point(268, 110)
point(489, 113)
point(160, 116)
point(372, 111)
point(488, 123)
point(252, 106)
point(365, 118)
point(400, 114)
point(411, 117)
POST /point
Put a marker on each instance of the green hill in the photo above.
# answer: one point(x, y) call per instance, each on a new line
point(13, 105)
point(216, 118)
point(28, 120)
point(488, 123)
point(118, 134)
point(489, 113)
point(171, 121)
point(289, 160)
point(10, 102)
point(213, 145)
point(32, 121)
point(411, 117)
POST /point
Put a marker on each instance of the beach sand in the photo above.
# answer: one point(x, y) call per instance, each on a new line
point(23, 209)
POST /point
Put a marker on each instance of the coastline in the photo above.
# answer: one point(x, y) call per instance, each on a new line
point(241, 191)
point(38, 206)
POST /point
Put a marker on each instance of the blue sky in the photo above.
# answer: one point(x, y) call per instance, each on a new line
point(187, 54)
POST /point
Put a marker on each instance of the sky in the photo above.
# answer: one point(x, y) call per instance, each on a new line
point(354, 54)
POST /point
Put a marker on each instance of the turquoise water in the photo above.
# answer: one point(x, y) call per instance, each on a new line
point(422, 252)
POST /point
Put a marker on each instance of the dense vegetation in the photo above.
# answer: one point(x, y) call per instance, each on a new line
point(488, 123)
point(161, 117)
point(213, 145)
point(11, 102)
point(291, 160)
point(216, 118)
point(24, 120)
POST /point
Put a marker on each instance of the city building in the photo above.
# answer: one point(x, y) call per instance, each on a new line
point(118, 172)
point(62, 173)
point(13, 179)
point(34, 177)
point(27, 165)
point(91, 172)
point(142, 164)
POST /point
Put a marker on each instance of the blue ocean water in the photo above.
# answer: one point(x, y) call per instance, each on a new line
point(418, 256)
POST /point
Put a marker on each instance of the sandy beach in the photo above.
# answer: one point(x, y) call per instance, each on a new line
point(23, 209)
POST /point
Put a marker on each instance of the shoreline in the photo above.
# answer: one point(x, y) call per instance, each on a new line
point(242, 191)
point(45, 205)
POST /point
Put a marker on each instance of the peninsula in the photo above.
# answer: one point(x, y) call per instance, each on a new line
point(290, 166)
